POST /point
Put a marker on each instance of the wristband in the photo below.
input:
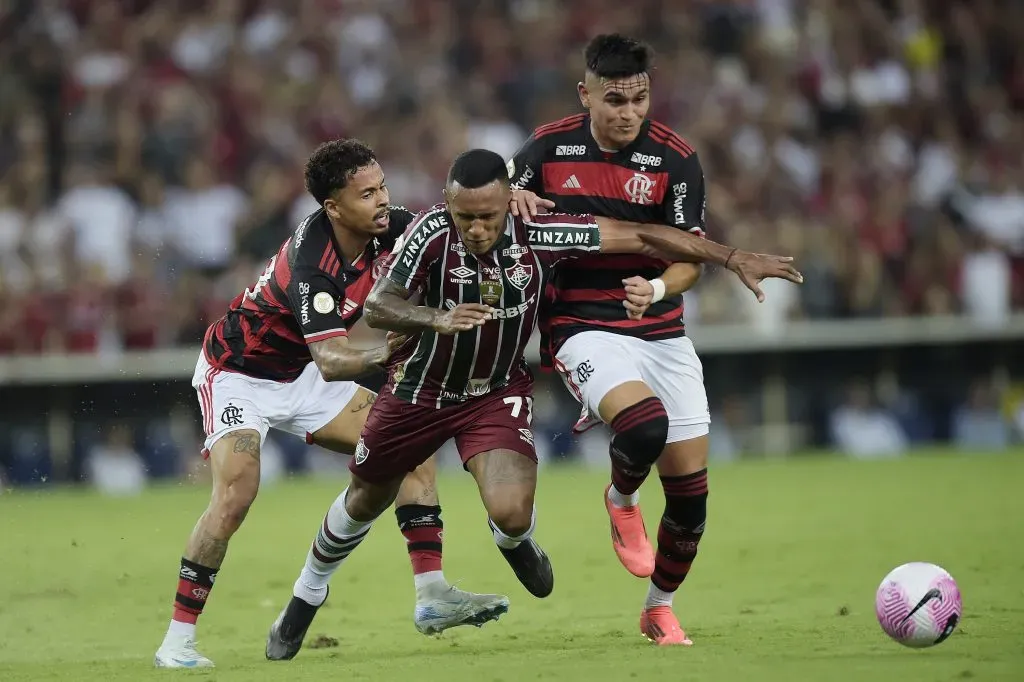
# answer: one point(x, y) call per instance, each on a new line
point(731, 253)
point(659, 289)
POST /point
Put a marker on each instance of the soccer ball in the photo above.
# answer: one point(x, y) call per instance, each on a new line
point(918, 604)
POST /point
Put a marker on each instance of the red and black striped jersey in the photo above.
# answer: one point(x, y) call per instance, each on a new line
point(655, 179)
point(307, 293)
point(440, 370)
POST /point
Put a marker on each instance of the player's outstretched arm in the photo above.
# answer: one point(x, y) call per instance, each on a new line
point(675, 245)
point(387, 307)
point(337, 361)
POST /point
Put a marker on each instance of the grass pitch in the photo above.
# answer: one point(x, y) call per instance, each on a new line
point(783, 588)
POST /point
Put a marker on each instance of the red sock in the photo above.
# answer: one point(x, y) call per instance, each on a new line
point(194, 585)
point(423, 530)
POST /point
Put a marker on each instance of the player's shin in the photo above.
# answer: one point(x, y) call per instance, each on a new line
point(338, 536)
point(423, 530)
point(679, 533)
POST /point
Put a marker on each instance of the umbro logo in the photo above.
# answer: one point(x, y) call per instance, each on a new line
point(571, 183)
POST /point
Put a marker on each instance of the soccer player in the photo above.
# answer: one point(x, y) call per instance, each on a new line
point(280, 359)
point(462, 373)
point(614, 324)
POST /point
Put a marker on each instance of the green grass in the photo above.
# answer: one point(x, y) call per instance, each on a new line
point(88, 582)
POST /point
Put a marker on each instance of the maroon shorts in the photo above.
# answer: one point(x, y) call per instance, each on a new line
point(399, 436)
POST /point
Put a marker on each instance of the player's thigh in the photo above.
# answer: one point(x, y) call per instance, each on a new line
point(671, 367)
point(231, 403)
point(398, 437)
point(328, 413)
point(683, 457)
point(342, 432)
point(593, 364)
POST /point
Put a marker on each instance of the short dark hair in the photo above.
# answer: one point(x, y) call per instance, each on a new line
point(476, 168)
point(333, 163)
point(612, 55)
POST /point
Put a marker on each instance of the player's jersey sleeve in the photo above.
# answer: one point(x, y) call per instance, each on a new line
point(685, 201)
point(524, 169)
point(400, 219)
point(314, 298)
point(555, 237)
point(417, 249)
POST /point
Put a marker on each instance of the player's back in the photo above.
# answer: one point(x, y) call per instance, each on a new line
point(655, 179)
point(307, 293)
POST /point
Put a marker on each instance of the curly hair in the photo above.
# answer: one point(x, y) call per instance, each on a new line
point(333, 163)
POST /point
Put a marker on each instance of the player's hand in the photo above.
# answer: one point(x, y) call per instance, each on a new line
point(395, 340)
point(462, 318)
point(527, 205)
point(752, 268)
point(639, 296)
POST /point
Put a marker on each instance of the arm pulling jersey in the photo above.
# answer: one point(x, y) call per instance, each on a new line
point(441, 370)
point(656, 179)
point(306, 294)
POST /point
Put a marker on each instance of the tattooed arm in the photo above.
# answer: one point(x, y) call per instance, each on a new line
point(387, 307)
point(339, 362)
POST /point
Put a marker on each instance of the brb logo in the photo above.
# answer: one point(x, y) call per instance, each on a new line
point(638, 189)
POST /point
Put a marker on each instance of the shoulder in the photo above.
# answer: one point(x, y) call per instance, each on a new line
point(399, 220)
point(671, 145)
point(562, 125)
point(424, 226)
point(310, 240)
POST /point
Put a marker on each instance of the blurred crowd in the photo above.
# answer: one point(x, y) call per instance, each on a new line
point(151, 150)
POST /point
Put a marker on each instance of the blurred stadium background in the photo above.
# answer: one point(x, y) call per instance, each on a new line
point(151, 155)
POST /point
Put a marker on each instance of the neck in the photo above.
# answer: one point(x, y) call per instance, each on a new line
point(352, 243)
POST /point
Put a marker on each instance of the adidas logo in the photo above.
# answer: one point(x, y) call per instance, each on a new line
point(571, 183)
point(349, 307)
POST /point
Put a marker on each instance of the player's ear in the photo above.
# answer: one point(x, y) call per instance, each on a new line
point(584, 95)
point(331, 206)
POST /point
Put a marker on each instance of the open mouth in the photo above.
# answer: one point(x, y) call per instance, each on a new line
point(382, 219)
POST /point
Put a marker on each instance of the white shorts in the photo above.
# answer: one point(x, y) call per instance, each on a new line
point(592, 363)
point(231, 401)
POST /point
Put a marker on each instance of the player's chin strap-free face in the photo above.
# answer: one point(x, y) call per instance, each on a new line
point(615, 102)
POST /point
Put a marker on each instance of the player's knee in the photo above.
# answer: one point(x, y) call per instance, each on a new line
point(640, 433)
point(366, 501)
point(512, 515)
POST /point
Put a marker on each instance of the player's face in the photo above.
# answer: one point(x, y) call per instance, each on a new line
point(479, 214)
point(362, 204)
point(617, 107)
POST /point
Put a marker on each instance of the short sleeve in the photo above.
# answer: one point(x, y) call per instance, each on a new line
point(685, 201)
point(554, 237)
point(524, 169)
point(416, 250)
point(314, 298)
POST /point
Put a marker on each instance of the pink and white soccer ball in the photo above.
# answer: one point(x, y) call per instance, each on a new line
point(918, 604)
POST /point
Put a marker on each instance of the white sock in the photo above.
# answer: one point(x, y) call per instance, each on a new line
point(507, 542)
point(338, 536)
point(656, 597)
point(429, 583)
point(179, 630)
point(621, 500)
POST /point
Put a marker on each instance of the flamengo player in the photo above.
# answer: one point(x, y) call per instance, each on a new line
point(463, 376)
point(614, 324)
point(280, 358)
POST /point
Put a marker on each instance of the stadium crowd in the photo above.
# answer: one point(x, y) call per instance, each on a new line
point(151, 150)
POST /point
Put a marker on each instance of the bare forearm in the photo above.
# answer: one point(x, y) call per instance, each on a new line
point(680, 277)
point(350, 364)
point(660, 242)
point(391, 312)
